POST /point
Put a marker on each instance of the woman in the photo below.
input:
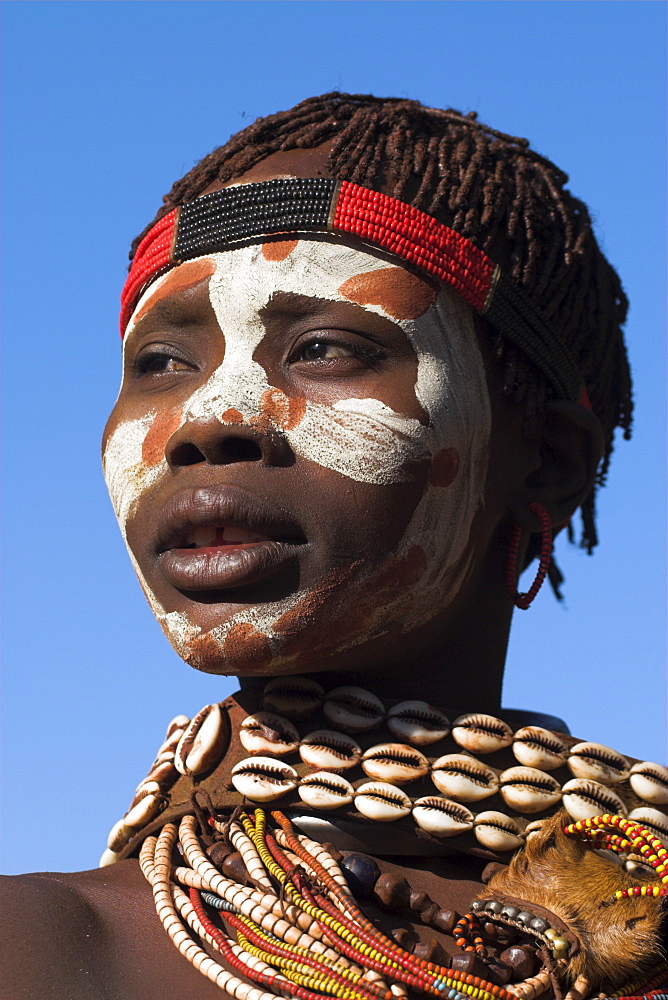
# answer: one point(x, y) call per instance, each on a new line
point(373, 363)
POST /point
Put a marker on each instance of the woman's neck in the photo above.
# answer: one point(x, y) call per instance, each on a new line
point(460, 669)
point(455, 661)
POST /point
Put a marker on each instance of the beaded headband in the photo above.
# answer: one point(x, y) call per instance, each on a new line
point(249, 212)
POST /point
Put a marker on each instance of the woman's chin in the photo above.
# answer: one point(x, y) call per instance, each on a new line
point(222, 632)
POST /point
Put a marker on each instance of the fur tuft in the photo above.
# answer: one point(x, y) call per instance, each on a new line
point(564, 875)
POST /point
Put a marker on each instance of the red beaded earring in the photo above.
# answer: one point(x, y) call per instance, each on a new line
point(524, 600)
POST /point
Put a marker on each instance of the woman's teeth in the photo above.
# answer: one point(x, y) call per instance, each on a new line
point(211, 536)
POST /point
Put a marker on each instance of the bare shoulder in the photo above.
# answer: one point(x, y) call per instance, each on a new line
point(50, 939)
point(90, 936)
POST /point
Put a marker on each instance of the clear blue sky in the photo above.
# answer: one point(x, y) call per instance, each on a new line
point(107, 103)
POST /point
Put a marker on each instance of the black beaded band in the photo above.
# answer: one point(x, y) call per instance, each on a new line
point(515, 315)
point(245, 211)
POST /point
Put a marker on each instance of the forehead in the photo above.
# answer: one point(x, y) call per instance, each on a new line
point(246, 279)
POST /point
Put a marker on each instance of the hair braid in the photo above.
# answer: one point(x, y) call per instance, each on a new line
point(494, 190)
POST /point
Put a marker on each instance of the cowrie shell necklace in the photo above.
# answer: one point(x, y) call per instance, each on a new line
point(473, 775)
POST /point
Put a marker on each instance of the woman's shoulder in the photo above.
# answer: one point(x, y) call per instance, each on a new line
point(90, 935)
point(51, 938)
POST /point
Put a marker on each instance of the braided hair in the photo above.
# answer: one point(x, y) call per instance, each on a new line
point(494, 190)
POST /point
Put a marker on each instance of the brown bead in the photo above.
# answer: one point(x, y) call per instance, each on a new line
point(491, 930)
point(469, 962)
point(429, 951)
point(235, 869)
point(522, 961)
point(429, 912)
point(392, 891)
point(444, 920)
point(417, 900)
point(497, 973)
point(492, 869)
point(334, 852)
point(218, 852)
point(401, 936)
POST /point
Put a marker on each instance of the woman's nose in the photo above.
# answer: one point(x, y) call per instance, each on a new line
point(209, 440)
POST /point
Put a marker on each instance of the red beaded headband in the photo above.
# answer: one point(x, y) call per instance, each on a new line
point(249, 212)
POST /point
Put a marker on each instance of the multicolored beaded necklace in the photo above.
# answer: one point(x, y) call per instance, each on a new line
point(291, 902)
point(300, 932)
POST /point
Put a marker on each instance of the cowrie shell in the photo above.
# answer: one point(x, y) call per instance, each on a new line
point(441, 817)
point(381, 801)
point(653, 820)
point(636, 865)
point(202, 744)
point(178, 722)
point(394, 762)
point(533, 827)
point(650, 782)
point(598, 763)
point(168, 748)
point(418, 723)
point(295, 697)
point(262, 779)
point(534, 746)
point(146, 809)
point(610, 856)
point(164, 772)
point(108, 858)
point(325, 790)
point(584, 798)
point(481, 733)
point(146, 787)
point(119, 835)
point(464, 778)
point(497, 831)
point(265, 732)
point(166, 754)
point(528, 789)
point(353, 708)
point(329, 751)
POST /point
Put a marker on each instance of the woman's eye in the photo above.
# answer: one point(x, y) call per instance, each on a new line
point(154, 363)
point(333, 350)
point(321, 351)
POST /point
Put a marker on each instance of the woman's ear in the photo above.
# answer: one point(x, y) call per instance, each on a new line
point(571, 447)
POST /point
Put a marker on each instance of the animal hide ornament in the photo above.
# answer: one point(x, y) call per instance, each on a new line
point(610, 941)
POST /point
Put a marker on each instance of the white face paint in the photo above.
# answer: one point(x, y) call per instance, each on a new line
point(362, 439)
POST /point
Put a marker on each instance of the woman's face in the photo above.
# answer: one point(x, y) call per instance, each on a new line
point(297, 454)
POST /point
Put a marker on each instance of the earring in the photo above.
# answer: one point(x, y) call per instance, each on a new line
point(524, 600)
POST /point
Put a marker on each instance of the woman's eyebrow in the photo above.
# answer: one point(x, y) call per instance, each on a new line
point(292, 305)
point(167, 312)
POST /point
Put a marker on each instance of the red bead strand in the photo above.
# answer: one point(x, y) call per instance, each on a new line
point(152, 256)
point(523, 601)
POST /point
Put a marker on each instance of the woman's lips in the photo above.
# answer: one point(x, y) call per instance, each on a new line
point(225, 566)
point(217, 538)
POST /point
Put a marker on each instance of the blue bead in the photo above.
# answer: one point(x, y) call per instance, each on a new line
point(361, 873)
